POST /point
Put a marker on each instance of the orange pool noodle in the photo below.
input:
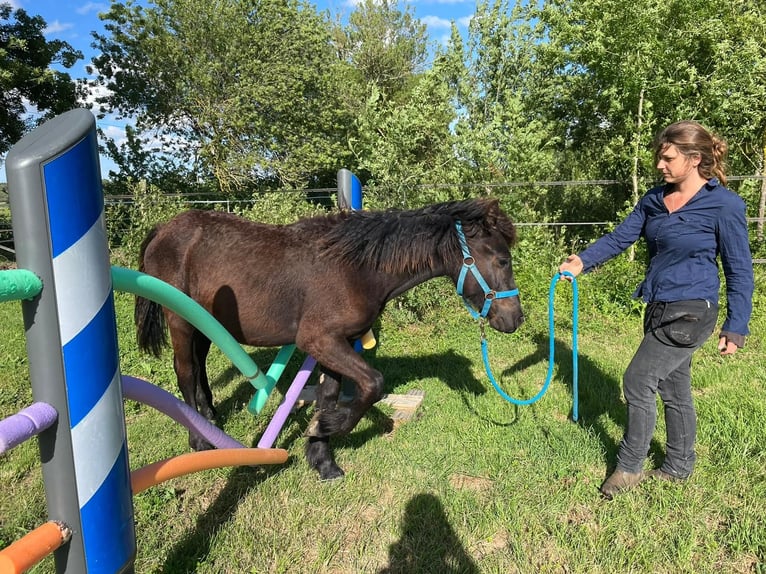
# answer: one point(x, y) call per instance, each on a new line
point(153, 474)
point(30, 549)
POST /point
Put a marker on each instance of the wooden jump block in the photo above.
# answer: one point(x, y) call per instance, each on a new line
point(404, 405)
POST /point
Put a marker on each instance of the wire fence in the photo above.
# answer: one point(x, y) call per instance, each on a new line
point(328, 196)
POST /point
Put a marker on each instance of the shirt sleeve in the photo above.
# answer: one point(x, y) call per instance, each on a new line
point(737, 264)
point(614, 243)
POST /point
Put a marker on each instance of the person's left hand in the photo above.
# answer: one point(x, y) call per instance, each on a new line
point(726, 347)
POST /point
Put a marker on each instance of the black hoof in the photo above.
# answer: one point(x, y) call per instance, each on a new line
point(319, 457)
point(331, 472)
point(198, 443)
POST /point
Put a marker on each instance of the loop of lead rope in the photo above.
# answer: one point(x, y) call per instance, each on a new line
point(549, 376)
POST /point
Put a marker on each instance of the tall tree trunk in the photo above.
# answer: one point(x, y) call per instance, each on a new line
point(636, 148)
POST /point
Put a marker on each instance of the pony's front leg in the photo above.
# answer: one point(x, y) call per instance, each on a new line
point(318, 452)
point(344, 361)
point(338, 358)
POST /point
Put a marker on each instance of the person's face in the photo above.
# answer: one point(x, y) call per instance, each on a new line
point(675, 166)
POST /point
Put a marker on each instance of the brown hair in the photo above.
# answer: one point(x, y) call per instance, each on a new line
point(691, 139)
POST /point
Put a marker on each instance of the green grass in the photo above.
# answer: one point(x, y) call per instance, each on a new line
point(471, 484)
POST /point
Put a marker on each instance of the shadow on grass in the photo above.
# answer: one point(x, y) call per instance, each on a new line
point(453, 369)
point(185, 556)
point(599, 393)
point(427, 544)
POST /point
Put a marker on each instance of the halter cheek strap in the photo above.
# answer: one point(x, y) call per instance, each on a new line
point(469, 266)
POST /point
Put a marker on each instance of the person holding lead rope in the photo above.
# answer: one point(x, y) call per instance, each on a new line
point(688, 223)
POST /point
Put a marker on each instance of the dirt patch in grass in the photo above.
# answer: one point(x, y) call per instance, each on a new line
point(473, 483)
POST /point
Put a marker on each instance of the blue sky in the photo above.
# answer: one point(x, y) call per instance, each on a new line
point(74, 20)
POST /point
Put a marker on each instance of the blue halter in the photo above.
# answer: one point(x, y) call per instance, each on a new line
point(469, 265)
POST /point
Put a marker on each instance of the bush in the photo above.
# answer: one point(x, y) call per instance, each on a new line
point(128, 223)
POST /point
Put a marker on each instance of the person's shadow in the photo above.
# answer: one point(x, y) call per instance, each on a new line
point(428, 543)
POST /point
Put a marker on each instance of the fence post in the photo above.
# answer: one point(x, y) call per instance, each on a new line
point(57, 207)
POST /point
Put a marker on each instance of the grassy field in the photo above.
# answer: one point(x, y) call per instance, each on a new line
point(471, 485)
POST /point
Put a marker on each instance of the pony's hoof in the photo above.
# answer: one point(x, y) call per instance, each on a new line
point(198, 444)
point(331, 473)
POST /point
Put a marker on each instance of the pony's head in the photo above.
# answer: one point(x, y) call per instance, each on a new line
point(484, 278)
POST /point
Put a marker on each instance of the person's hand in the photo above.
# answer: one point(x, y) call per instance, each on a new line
point(572, 264)
point(726, 347)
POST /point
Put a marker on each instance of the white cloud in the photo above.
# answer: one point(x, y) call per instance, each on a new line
point(436, 22)
point(92, 7)
point(114, 132)
point(55, 27)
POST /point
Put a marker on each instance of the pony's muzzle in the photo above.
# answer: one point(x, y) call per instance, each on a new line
point(506, 315)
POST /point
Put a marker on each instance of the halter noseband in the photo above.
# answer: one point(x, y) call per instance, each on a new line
point(469, 264)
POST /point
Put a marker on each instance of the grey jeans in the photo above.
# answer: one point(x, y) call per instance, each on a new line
point(672, 332)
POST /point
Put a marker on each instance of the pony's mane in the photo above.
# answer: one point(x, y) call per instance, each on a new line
point(407, 241)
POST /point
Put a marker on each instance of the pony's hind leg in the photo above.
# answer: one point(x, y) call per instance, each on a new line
point(203, 394)
point(188, 373)
point(318, 452)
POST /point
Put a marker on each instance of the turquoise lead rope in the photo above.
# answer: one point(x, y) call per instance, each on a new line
point(549, 376)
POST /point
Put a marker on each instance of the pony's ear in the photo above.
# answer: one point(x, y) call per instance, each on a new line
point(492, 211)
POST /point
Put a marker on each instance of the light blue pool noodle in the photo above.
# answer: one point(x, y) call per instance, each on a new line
point(272, 376)
point(156, 290)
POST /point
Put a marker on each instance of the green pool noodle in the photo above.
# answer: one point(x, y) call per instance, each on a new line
point(18, 284)
point(156, 290)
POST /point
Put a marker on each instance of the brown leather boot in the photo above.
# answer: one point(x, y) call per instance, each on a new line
point(662, 475)
point(620, 481)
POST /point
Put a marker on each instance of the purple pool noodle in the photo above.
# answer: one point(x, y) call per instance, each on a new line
point(283, 410)
point(139, 390)
point(25, 424)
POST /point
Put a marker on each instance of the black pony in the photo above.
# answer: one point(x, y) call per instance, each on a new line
point(319, 283)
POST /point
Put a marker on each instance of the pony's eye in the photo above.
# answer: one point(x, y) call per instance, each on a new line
point(504, 262)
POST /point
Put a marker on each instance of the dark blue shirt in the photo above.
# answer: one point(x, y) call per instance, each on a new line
point(683, 250)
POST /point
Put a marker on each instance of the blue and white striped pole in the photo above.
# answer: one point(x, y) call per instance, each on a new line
point(349, 190)
point(350, 197)
point(57, 208)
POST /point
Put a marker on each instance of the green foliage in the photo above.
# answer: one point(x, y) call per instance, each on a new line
point(280, 208)
point(129, 223)
point(500, 134)
point(26, 76)
point(385, 45)
point(406, 144)
point(246, 88)
point(619, 72)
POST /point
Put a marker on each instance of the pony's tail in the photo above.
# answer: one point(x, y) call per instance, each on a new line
point(148, 316)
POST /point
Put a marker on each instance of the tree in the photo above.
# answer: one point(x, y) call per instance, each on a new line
point(387, 47)
point(621, 71)
point(245, 86)
point(407, 144)
point(401, 114)
point(499, 134)
point(26, 77)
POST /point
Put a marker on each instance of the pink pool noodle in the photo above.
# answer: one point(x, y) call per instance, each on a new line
point(139, 390)
point(283, 410)
point(25, 424)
